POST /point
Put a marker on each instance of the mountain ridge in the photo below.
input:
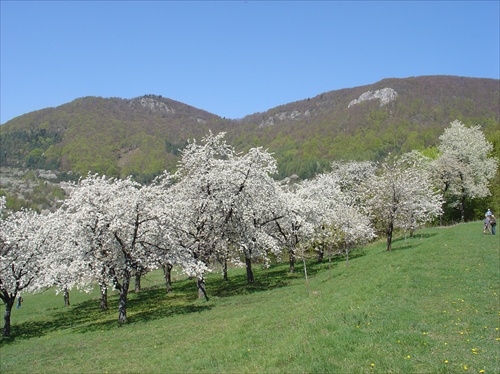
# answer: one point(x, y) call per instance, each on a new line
point(142, 136)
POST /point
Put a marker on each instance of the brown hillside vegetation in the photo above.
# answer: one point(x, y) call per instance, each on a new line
point(142, 136)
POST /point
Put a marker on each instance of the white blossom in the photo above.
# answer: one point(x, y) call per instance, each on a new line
point(464, 167)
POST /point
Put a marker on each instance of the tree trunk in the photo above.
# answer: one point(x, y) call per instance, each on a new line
point(329, 258)
point(390, 229)
point(8, 311)
point(305, 273)
point(66, 297)
point(202, 292)
point(122, 305)
point(167, 272)
point(291, 255)
point(224, 269)
point(321, 254)
point(248, 262)
point(104, 296)
point(137, 287)
point(462, 208)
point(462, 199)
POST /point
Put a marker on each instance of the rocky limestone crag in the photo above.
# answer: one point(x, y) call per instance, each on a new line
point(386, 95)
point(294, 115)
point(152, 104)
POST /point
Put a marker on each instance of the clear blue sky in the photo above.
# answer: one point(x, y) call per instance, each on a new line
point(234, 58)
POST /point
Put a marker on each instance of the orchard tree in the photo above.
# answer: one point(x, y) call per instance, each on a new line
point(229, 202)
point(117, 228)
point(164, 236)
point(65, 266)
point(198, 200)
point(464, 167)
point(400, 192)
point(349, 175)
point(429, 206)
point(339, 222)
point(297, 225)
point(252, 206)
point(22, 241)
point(322, 197)
point(348, 228)
point(133, 223)
point(88, 226)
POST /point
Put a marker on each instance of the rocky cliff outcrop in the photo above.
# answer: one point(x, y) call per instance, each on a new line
point(294, 115)
point(386, 95)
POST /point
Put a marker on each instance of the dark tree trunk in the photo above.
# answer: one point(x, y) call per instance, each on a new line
point(122, 305)
point(321, 254)
point(104, 296)
point(305, 272)
point(167, 272)
point(66, 297)
point(202, 292)
point(330, 257)
point(137, 287)
point(462, 208)
point(390, 229)
point(224, 268)
point(8, 311)
point(248, 262)
point(462, 200)
point(291, 255)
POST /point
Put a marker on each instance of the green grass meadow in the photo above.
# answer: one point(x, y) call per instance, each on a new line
point(432, 305)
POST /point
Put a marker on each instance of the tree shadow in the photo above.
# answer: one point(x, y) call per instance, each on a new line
point(147, 305)
point(155, 303)
point(415, 241)
point(276, 276)
point(268, 279)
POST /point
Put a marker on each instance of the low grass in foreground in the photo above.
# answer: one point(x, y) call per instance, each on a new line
point(429, 306)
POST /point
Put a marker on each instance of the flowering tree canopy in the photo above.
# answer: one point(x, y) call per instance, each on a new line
point(464, 167)
point(401, 195)
point(228, 201)
point(22, 242)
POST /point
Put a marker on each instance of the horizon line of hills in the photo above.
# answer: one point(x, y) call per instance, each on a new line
point(200, 110)
point(143, 136)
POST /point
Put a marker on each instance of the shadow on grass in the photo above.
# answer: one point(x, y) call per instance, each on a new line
point(144, 306)
point(415, 241)
point(275, 276)
point(268, 279)
point(154, 303)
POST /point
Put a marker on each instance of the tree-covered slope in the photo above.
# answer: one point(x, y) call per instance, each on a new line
point(112, 136)
point(308, 134)
point(142, 136)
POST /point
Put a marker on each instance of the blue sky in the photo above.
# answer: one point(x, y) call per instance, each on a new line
point(233, 58)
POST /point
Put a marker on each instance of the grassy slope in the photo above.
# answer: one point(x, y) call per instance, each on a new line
point(434, 298)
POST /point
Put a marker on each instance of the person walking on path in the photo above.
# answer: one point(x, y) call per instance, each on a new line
point(486, 225)
point(493, 224)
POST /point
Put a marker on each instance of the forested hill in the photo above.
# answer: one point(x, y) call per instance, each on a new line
point(142, 136)
point(112, 136)
point(368, 122)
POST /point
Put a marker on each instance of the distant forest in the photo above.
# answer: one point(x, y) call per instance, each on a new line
point(144, 136)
